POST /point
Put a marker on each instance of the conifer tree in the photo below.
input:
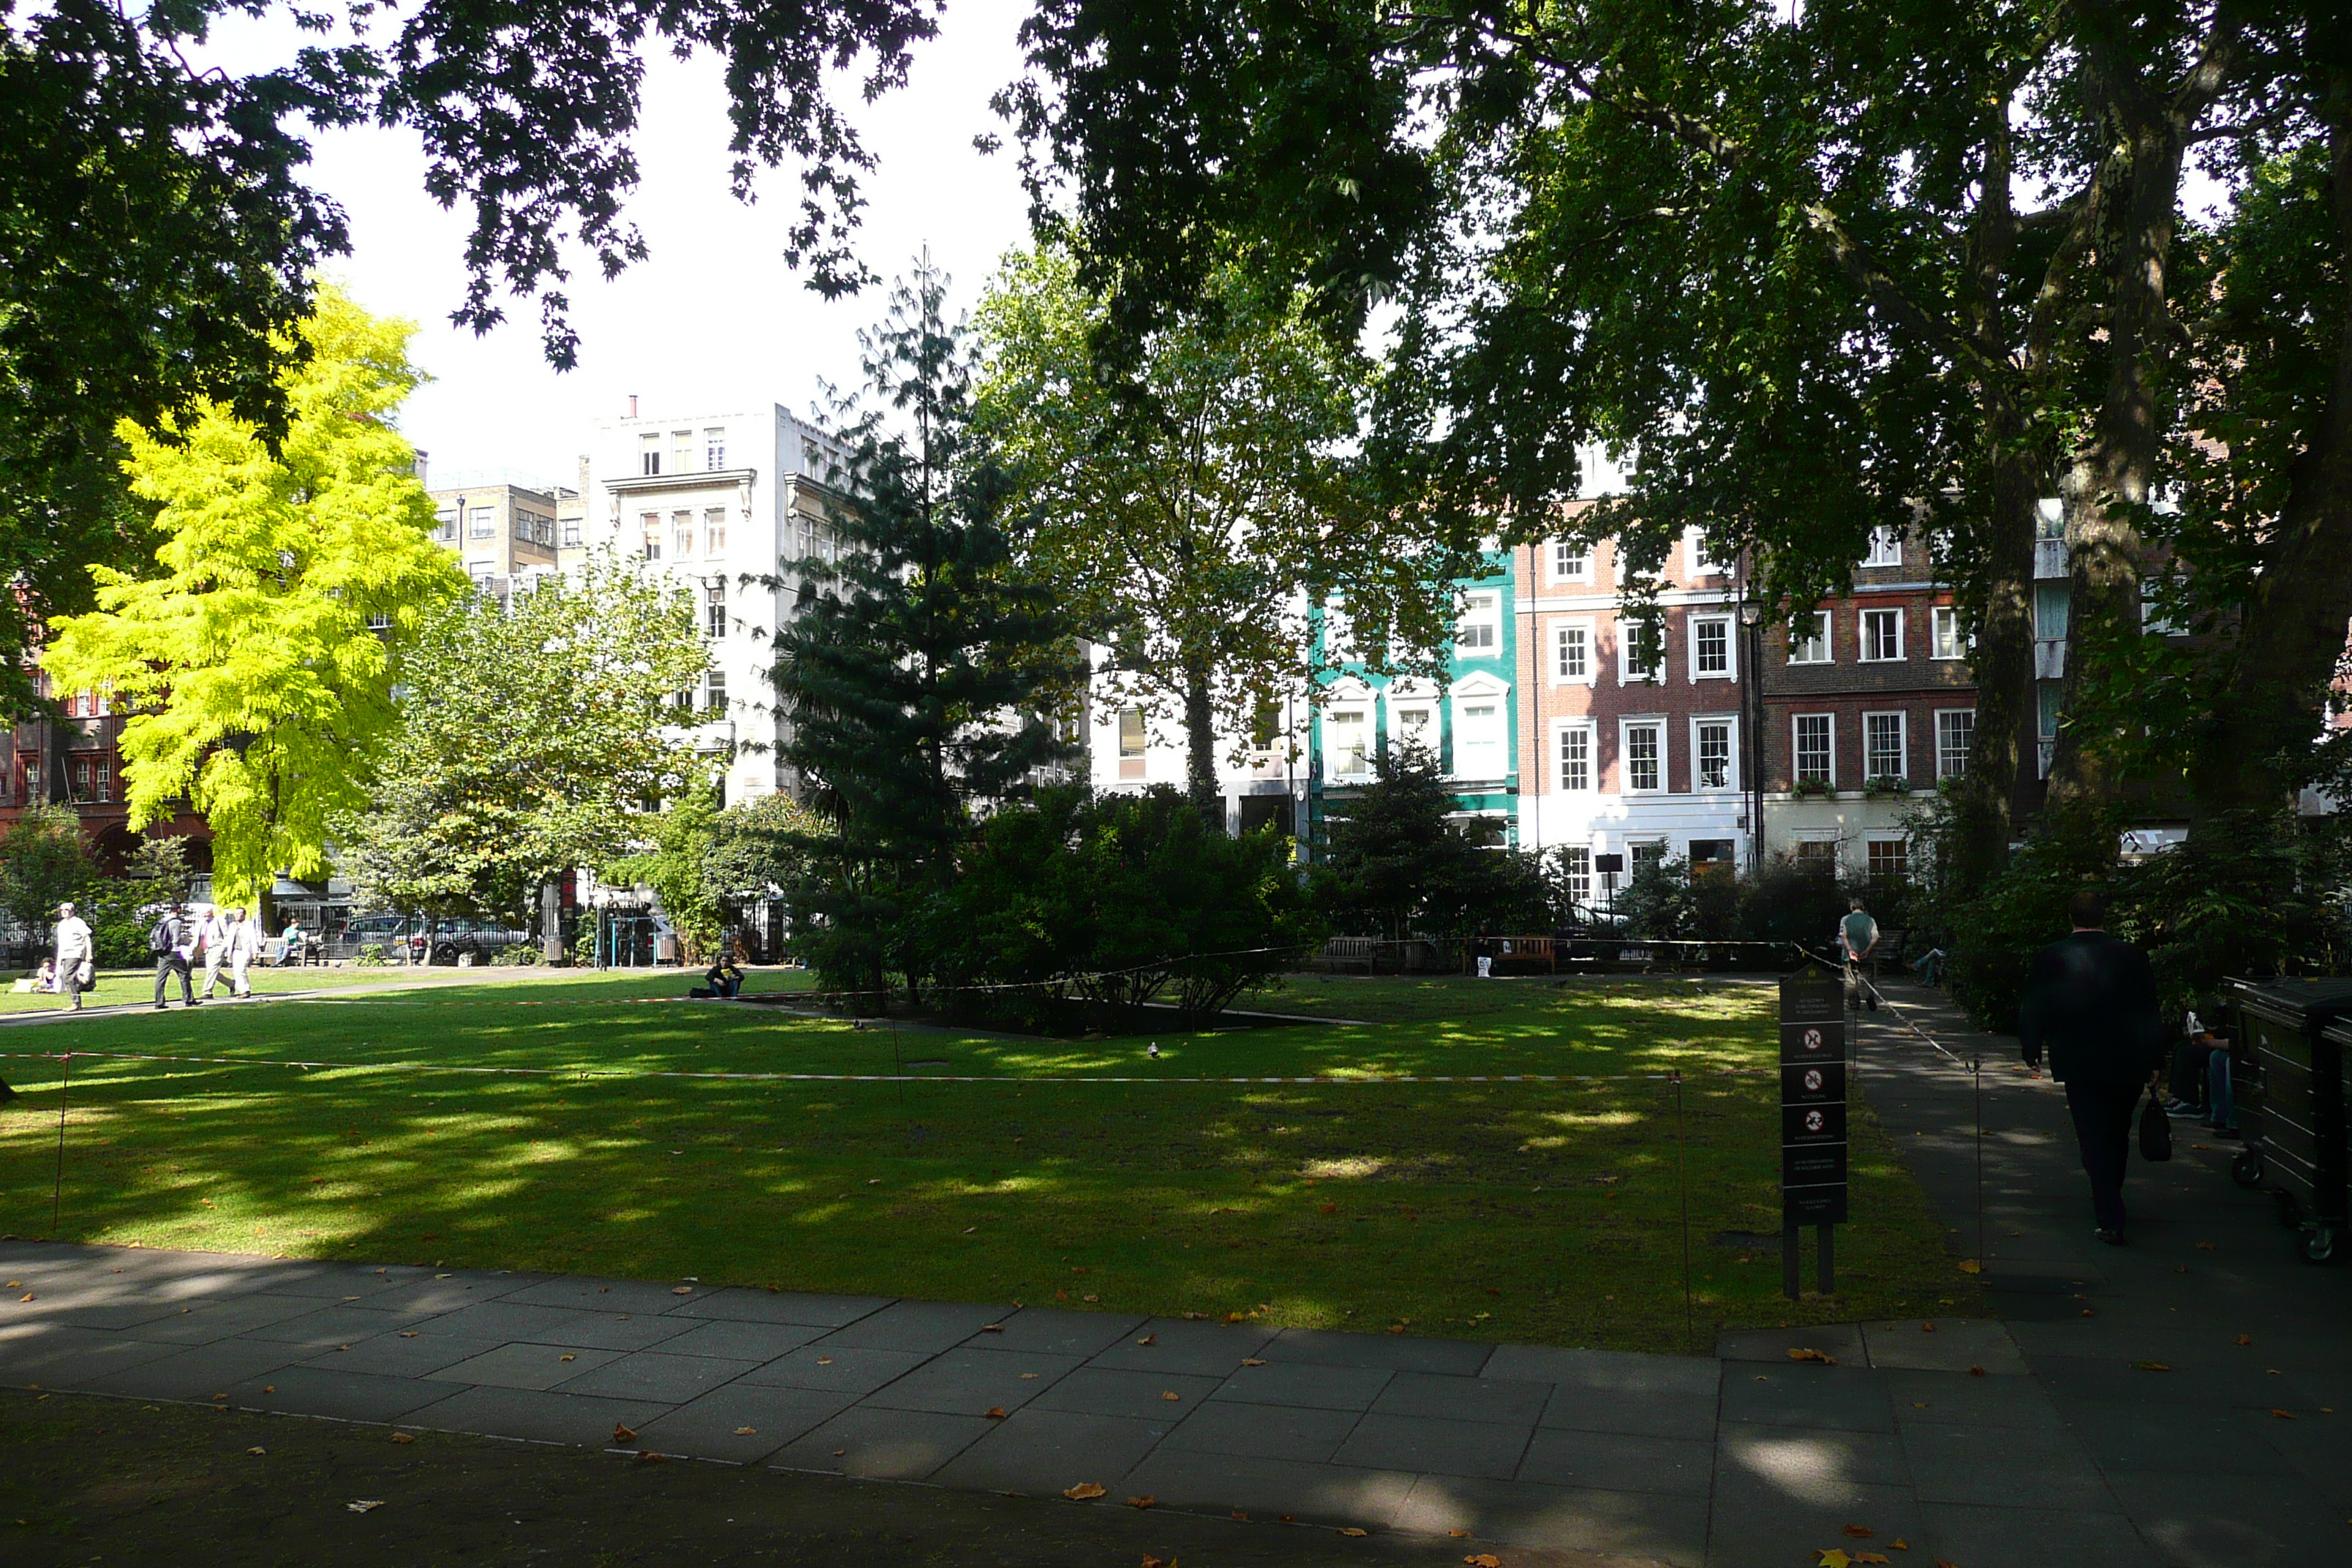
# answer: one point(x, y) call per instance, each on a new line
point(923, 665)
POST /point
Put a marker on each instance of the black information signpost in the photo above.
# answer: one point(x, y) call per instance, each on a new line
point(1812, 1117)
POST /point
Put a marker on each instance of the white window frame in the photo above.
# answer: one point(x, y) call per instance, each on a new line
point(1576, 872)
point(1625, 727)
point(1481, 611)
point(1863, 625)
point(714, 451)
point(1941, 715)
point(1696, 562)
point(649, 451)
point(1944, 633)
point(1433, 736)
point(1339, 756)
point(1797, 749)
point(1552, 573)
point(1626, 674)
point(1825, 633)
point(681, 451)
point(1902, 744)
point(1875, 839)
point(1481, 691)
point(714, 530)
point(1339, 631)
point(1560, 730)
point(1731, 670)
point(1582, 624)
point(1730, 723)
point(1885, 546)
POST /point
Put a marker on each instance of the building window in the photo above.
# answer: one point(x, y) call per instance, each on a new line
point(445, 517)
point(1266, 725)
point(1415, 729)
point(1645, 762)
point(1651, 852)
point(1955, 736)
point(1889, 860)
point(481, 523)
point(1883, 750)
point(1338, 633)
point(2154, 620)
point(2049, 610)
point(1478, 741)
point(379, 620)
point(1350, 754)
point(93, 780)
point(1711, 744)
point(714, 615)
point(714, 692)
point(1711, 647)
point(1808, 638)
point(1885, 547)
point(681, 452)
point(1944, 632)
point(571, 533)
point(1818, 854)
point(1697, 561)
point(714, 451)
point(649, 453)
point(1576, 873)
point(651, 523)
point(1576, 757)
point(1478, 632)
point(1570, 562)
point(714, 530)
point(521, 525)
point(681, 526)
point(1816, 746)
point(1639, 651)
point(1571, 652)
point(1882, 635)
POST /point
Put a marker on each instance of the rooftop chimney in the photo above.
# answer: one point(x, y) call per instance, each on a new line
point(633, 405)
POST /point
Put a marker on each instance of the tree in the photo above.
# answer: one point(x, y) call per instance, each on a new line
point(924, 666)
point(257, 666)
point(534, 736)
point(44, 862)
point(1399, 864)
point(1197, 525)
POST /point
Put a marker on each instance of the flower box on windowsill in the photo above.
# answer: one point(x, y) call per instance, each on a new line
point(1813, 789)
point(1885, 787)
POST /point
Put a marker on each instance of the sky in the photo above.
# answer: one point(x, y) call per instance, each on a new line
point(713, 319)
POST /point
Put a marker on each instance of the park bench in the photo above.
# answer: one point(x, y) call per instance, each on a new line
point(1342, 953)
point(1525, 951)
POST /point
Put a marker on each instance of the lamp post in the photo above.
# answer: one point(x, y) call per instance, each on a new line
point(1751, 621)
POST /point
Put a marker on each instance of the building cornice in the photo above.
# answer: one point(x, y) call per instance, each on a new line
point(709, 478)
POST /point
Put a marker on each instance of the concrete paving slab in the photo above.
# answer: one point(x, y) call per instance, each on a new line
point(431, 1295)
point(1614, 1371)
point(2180, 1440)
point(1462, 1398)
point(1430, 1446)
point(506, 1320)
point(1056, 1333)
point(535, 1414)
point(972, 1382)
point(1323, 1494)
point(883, 1445)
point(1646, 1526)
point(2004, 1467)
point(1843, 1398)
point(197, 1372)
point(400, 1355)
point(86, 1313)
point(1942, 1398)
point(1981, 1535)
point(713, 1426)
point(836, 1368)
point(1612, 1461)
point(1310, 1387)
point(1943, 1344)
point(1809, 1463)
point(1678, 1415)
point(1264, 1431)
point(613, 1330)
point(749, 1306)
point(1135, 1395)
point(1040, 1452)
point(658, 1377)
point(1758, 1520)
point(1210, 1349)
point(599, 1295)
point(1390, 1353)
point(524, 1366)
point(928, 1327)
point(1843, 1341)
point(737, 1340)
point(331, 1326)
point(221, 1320)
point(58, 1355)
point(343, 1396)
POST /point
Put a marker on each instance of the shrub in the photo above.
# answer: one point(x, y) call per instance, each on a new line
point(371, 955)
point(519, 952)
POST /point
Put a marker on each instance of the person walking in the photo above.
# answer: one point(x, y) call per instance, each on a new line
point(244, 945)
point(171, 940)
point(1857, 940)
point(74, 954)
point(212, 939)
point(2090, 1006)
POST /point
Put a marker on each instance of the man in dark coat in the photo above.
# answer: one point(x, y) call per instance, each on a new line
point(2090, 1002)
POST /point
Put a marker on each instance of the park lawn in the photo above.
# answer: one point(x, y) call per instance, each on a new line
point(1542, 1212)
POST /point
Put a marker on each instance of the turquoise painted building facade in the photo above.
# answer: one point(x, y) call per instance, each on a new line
point(1468, 719)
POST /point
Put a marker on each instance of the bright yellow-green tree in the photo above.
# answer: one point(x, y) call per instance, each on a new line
point(257, 664)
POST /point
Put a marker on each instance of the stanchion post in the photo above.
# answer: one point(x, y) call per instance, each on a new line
point(1682, 1180)
point(57, 1187)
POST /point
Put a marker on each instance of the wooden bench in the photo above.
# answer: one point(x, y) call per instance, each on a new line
point(1341, 952)
point(1527, 950)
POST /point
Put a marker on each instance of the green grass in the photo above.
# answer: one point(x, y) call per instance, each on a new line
point(1526, 1210)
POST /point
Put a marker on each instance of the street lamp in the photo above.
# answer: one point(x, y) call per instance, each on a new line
point(1752, 619)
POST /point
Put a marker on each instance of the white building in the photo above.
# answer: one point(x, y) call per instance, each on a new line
point(1128, 750)
point(720, 504)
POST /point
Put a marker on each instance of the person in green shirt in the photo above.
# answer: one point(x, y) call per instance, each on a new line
point(1857, 938)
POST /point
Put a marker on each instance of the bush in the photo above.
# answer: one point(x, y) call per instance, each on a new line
point(371, 955)
point(1792, 900)
point(517, 954)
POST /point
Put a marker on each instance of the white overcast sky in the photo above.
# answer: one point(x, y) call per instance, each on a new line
point(713, 319)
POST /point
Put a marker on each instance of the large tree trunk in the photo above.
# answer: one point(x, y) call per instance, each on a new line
point(1201, 748)
point(2291, 637)
point(1999, 754)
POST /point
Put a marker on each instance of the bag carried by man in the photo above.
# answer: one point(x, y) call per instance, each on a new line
point(2154, 1131)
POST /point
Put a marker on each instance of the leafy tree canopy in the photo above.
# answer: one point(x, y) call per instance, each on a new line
point(257, 665)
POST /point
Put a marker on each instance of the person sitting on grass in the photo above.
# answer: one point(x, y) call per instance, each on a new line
point(46, 977)
point(724, 978)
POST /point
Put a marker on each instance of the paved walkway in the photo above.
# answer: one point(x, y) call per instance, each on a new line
point(2061, 1449)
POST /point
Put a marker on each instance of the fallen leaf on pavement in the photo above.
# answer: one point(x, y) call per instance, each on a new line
point(1945, 1562)
point(2152, 1365)
point(1148, 1340)
point(1146, 1500)
point(408, 1333)
point(2206, 1246)
point(1169, 1394)
point(1976, 1371)
point(1872, 1557)
point(1901, 1544)
point(622, 1434)
point(1085, 1491)
point(681, 1289)
point(1483, 1560)
point(403, 1437)
point(2245, 1339)
point(992, 1328)
point(1805, 1353)
point(747, 1431)
point(1927, 1328)
point(1969, 1266)
point(2283, 1414)
point(25, 1297)
point(647, 1456)
point(1860, 1531)
point(1230, 1317)
point(567, 1356)
point(361, 1505)
point(824, 1361)
point(994, 1413)
point(1352, 1529)
point(1463, 1534)
point(1832, 1558)
point(1251, 1361)
point(257, 1450)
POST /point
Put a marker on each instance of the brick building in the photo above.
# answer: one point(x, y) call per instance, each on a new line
point(1629, 747)
point(76, 761)
point(1868, 703)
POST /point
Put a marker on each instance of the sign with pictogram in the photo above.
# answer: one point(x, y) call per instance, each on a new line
point(1812, 1115)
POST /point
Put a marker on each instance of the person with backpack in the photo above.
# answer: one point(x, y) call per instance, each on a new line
point(1857, 940)
point(172, 940)
point(76, 951)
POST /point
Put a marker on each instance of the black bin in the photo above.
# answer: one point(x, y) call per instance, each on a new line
point(2298, 1033)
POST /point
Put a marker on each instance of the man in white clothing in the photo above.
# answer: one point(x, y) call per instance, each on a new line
point(244, 942)
point(75, 953)
point(213, 939)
